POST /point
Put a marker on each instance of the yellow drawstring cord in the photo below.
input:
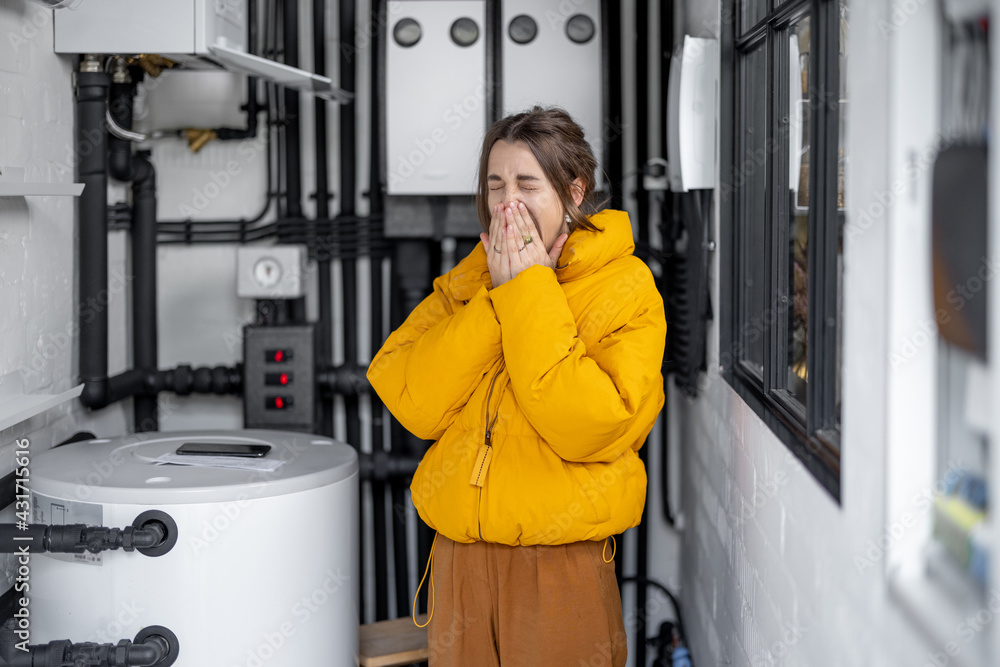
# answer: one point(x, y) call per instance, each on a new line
point(430, 606)
point(614, 548)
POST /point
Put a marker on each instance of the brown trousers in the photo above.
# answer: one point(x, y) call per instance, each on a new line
point(524, 606)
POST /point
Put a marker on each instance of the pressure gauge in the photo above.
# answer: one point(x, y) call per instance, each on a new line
point(465, 31)
point(270, 272)
point(407, 32)
point(522, 29)
point(267, 272)
point(580, 28)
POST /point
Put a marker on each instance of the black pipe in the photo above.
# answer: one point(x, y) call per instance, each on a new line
point(153, 650)
point(403, 443)
point(642, 207)
point(346, 233)
point(324, 328)
point(494, 63)
point(613, 94)
point(348, 141)
point(293, 141)
point(296, 309)
point(378, 447)
point(92, 206)
point(641, 569)
point(144, 323)
point(310, 232)
point(185, 380)
point(120, 150)
point(293, 161)
point(251, 109)
point(124, 166)
point(382, 466)
point(347, 380)
point(666, 222)
point(77, 538)
point(400, 513)
point(319, 66)
point(376, 251)
point(377, 409)
point(668, 513)
point(642, 118)
point(8, 488)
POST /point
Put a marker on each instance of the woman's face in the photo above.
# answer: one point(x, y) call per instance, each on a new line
point(514, 175)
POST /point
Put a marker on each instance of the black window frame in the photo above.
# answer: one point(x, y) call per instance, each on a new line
point(810, 431)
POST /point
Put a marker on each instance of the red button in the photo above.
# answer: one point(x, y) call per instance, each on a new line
point(279, 402)
point(283, 379)
point(279, 355)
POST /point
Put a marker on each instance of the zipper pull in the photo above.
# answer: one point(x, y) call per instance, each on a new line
point(482, 463)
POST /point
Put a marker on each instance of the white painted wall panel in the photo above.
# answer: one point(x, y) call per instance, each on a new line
point(552, 70)
point(435, 100)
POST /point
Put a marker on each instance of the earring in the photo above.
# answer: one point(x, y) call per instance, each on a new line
point(568, 219)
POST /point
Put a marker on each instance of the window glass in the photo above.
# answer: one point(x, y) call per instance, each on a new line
point(797, 285)
point(751, 172)
point(842, 161)
point(751, 12)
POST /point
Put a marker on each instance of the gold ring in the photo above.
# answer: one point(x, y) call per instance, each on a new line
point(521, 249)
point(527, 239)
point(495, 250)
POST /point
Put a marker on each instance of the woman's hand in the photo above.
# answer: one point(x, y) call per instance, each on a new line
point(514, 243)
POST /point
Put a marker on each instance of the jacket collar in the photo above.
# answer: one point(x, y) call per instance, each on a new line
point(584, 253)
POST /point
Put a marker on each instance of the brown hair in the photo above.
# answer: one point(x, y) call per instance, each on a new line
point(557, 143)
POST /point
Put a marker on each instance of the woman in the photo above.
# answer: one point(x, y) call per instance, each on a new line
point(535, 366)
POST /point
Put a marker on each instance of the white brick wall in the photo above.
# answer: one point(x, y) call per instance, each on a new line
point(770, 567)
point(38, 343)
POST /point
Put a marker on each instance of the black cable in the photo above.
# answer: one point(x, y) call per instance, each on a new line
point(643, 210)
point(668, 513)
point(673, 601)
point(241, 224)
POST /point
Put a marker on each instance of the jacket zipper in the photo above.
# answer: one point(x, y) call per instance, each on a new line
point(487, 443)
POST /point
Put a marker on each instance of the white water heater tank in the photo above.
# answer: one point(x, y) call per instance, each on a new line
point(264, 571)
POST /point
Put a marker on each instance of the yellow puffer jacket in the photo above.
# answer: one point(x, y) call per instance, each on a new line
point(566, 362)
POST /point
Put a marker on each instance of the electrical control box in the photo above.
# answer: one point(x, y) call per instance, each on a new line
point(552, 56)
point(279, 377)
point(437, 99)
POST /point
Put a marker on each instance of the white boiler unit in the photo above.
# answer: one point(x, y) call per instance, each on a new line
point(264, 568)
point(198, 33)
